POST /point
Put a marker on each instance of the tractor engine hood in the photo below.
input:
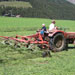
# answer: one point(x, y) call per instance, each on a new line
point(55, 31)
point(71, 35)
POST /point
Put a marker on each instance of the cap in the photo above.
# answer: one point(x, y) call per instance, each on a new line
point(43, 24)
point(53, 21)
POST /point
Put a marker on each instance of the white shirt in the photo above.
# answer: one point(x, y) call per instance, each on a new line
point(51, 26)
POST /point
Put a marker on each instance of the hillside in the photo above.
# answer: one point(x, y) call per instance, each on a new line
point(59, 9)
point(15, 4)
point(53, 9)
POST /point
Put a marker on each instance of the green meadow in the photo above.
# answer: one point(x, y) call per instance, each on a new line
point(21, 61)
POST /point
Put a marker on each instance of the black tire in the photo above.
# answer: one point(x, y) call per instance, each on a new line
point(57, 43)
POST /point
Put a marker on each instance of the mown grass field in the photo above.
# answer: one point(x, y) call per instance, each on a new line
point(24, 62)
point(15, 4)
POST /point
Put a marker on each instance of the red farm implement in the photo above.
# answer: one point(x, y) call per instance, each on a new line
point(26, 40)
point(55, 40)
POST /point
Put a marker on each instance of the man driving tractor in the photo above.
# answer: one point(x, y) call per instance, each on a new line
point(52, 25)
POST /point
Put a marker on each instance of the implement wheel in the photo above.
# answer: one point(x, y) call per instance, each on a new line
point(57, 43)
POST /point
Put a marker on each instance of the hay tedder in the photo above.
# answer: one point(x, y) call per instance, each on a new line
point(55, 40)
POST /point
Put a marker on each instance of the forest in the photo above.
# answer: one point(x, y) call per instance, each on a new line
point(53, 9)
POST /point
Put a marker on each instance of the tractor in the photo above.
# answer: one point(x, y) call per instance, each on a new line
point(55, 40)
point(59, 40)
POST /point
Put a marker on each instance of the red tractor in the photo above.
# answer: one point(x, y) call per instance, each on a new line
point(55, 40)
point(59, 39)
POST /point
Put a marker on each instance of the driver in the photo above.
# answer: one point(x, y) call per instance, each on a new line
point(52, 25)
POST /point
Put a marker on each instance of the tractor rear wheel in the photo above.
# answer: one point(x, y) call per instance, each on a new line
point(57, 43)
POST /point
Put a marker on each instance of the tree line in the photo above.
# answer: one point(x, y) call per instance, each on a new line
point(43, 9)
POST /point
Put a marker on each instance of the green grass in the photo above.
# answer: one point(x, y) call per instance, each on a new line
point(16, 4)
point(25, 62)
